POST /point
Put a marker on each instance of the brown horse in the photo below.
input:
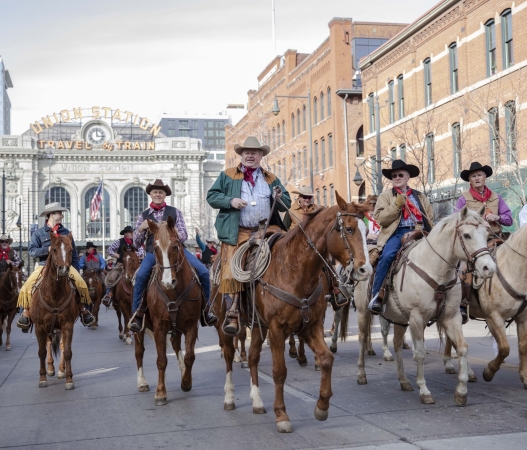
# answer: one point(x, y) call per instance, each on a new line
point(10, 285)
point(95, 284)
point(174, 299)
point(54, 307)
point(295, 269)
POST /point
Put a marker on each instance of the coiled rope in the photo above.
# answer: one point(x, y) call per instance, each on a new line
point(259, 265)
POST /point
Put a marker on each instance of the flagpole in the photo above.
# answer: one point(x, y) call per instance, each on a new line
point(103, 219)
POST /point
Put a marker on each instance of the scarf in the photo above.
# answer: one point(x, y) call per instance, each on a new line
point(481, 198)
point(410, 207)
point(92, 257)
point(55, 229)
point(376, 226)
point(248, 175)
point(157, 207)
point(128, 241)
point(213, 250)
point(3, 254)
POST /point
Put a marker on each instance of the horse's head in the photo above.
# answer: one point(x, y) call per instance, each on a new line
point(168, 250)
point(130, 263)
point(347, 240)
point(470, 242)
point(61, 252)
point(13, 277)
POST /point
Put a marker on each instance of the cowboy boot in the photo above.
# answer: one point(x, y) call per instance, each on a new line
point(107, 299)
point(136, 323)
point(24, 322)
point(375, 305)
point(86, 316)
point(231, 325)
point(207, 318)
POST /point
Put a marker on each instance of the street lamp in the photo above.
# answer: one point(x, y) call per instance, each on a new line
point(276, 111)
point(378, 144)
point(47, 154)
point(358, 180)
point(19, 225)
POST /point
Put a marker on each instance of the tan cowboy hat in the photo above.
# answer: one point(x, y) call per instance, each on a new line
point(304, 191)
point(52, 207)
point(158, 184)
point(5, 237)
point(251, 143)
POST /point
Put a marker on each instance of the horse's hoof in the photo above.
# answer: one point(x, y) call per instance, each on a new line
point(229, 406)
point(161, 401)
point(293, 355)
point(451, 371)
point(70, 386)
point(42, 384)
point(128, 341)
point(389, 358)
point(61, 375)
point(245, 364)
point(7, 348)
point(472, 378)
point(121, 336)
point(94, 327)
point(333, 348)
point(406, 386)
point(302, 362)
point(487, 375)
point(237, 359)
point(186, 388)
point(259, 410)
point(427, 399)
point(406, 346)
point(317, 368)
point(51, 373)
point(144, 388)
point(284, 427)
point(320, 415)
point(371, 353)
point(361, 379)
point(461, 399)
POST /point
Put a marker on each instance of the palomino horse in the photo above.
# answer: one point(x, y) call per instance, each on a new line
point(10, 285)
point(295, 270)
point(432, 262)
point(54, 307)
point(174, 299)
point(95, 285)
point(122, 294)
point(502, 300)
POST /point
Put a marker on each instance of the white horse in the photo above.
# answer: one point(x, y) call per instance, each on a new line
point(500, 300)
point(459, 237)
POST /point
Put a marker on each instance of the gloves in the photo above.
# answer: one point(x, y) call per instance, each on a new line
point(277, 192)
point(399, 201)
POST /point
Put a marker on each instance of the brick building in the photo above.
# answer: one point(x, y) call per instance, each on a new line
point(450, 89)
point(326, 75)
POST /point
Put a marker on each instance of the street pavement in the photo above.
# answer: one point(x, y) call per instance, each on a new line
point(106, 411)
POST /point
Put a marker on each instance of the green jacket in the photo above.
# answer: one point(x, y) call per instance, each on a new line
point(228, 186)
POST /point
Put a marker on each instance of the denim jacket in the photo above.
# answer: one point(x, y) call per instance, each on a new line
point(41, 241)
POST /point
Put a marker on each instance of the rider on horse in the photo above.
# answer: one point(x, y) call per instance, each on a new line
point(207, 250)
point(304, 204)
point(157, 212)
point(39, 247)
point(117, 250)
point(243, 196)
point(398, 211)
point(7, 254)
point(92, 260)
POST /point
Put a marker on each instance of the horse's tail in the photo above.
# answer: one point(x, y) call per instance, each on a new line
point(55, 344)
point(343, 333)
point(151, 336)
point(441, 333)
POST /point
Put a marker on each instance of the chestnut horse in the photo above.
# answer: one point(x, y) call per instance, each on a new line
point(174, 298)
point(95, 284)
point(295, 268)
point(122, 294)
point(54, 307)
point(10, 285)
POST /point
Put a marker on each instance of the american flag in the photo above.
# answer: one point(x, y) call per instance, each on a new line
point(96, 203)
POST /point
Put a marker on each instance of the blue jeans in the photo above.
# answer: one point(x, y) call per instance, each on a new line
point(145, 269)
point(389, 252)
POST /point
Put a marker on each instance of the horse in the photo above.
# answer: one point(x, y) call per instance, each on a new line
point(501, 301)
point(431, 293)
point(54, 308)
point(10, 285)
point(174, 298)
point(294, 271)
point(122, 293)
point(96, 289)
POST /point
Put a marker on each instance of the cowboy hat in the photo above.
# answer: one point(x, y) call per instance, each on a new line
point(212, 241)
point(127, 229)
point(5, 237)
point(251, 143)
point(473, 167)
point(158, 184)
point(304, 191)
point(52, 207)
point(90, 245)
point(399, 164)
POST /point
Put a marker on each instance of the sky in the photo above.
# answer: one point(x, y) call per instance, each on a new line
point(160, 55)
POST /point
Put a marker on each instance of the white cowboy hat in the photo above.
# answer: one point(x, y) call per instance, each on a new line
point(5, 237)
point(304, 191)
point(52, 207)
point(212, 240)
point(251, 143)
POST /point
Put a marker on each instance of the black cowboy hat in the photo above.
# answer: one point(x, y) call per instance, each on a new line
point(399, 164)
point(473, 167)
point(158, 184)
point(127, 229)
point(90, 245)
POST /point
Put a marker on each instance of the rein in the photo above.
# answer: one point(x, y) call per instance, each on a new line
point(514, 294)
point(54, 311)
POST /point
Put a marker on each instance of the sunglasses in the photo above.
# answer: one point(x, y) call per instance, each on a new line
point(306, 198)
point(3, 242)
point(397, 175)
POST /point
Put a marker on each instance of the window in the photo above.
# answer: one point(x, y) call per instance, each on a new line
point(279, 170)
point(428, 81)
point(294, 169)
point(171, 133)
point(402, 152)
point(510, 130)
point(305, 163)
point(194, 124)
point(456, 147)
point(391, 102)
point(316, 156)
point(321, 106)
point(273, 141)
point(284, 131)
point(430, 154)
point(278, 134)
point(322, 154)
point(325, 195)
point(329, 102)
point(220, 156)
point(299, 170)
point(171, 124)
point(330, 150)
point(494, 136)
point(193, 133)
point(393, 153)
point(285, 171)
point(62, 196)
point(183, 124)
point(490, 43)
point(135, 202)
point(94, 228)
point(452, 51)
point(315, 109)
point(183, 133)
point(360, 142)
point(371, 112)
point(332, 194)
point(292, 125)
point(361, 47)
point(210, 124)
point(400, 95)
point(318, 196)
point(506, 38)
point(304, 118)
point(298, 121)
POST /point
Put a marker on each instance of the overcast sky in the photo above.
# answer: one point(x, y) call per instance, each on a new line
point(155, 55)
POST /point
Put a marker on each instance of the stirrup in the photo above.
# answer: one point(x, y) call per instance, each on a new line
point(89, 314)
point(231, 315)
point(23, 326)
point(464, 314)
point(107, 300)
point(207, 322)
point(132, 322)
point(371, 304)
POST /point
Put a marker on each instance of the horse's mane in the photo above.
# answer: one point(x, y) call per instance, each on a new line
point(308, 217)
point(163, 234)
point(472, 218)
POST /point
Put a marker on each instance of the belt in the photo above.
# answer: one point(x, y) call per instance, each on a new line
point(406, 228)
point(249, 228)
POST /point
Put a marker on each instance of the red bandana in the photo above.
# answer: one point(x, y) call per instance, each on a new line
point(128, 241)
point(248, 174)
point(3, 254)
point(410, 207)
point(157, 207)
point(91, 257)
point(213, 250)
point(376, 226)
point(482, 198)
point(55, 229)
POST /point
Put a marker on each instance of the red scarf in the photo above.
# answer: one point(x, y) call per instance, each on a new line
point(410, 207)
point(3, 254)
point(157, 207)
point(376, 226)
point(248, 175)
point(128, 241)
point(213, 250)
point(92, 257)
point(55, 229)
point(481, 198)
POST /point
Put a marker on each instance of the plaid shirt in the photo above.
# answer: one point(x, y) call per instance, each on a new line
point(140, 236)
point(410, 222)
point(115, 246)
point(259, 194)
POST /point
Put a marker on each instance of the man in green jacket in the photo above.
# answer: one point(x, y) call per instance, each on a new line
point(243, 195)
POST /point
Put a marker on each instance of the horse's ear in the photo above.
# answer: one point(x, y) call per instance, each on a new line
point(482, 210)
point(463, 212)
point(9, 266)
point(70, 236)
point(361, 207)
point(340, 201)
point(170, 222)
point(152, 226)
point(21, 264)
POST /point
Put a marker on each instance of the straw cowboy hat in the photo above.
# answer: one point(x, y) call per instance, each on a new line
point(5, 237)
point(399, 164)
point(212, 241)
point(473, 167)
point(158, 184)
point(52, 207)
point(304, 191)
point(251, 143)
point(127, 229)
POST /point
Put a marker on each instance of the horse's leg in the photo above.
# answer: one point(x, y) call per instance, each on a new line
point(243, 353)
point(2, 319)
point(301, 358)
point(398, 339)
point(160, 337)
point(236, 343)
point(66, 338)
point(418, 336)
point(521, 326)
point(405, 345)
point(190, 341)
point(497, 328)
point(127, 314)
point(228, 354)
point(42, 340)
point(10, 318)
point(257, 339)
point(62, 365)
point(364, 322)
point(385, 330)
point(118, 312)
point(292, 347)
point(334, 338)
point(142, 384)
point(447, 358)
point(51, 367)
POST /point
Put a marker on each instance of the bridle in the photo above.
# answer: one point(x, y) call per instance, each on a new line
point(471, 257)
point(179, 262)
point(127, 276)
point(57, 267)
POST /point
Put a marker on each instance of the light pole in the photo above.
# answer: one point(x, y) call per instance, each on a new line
point(3, 199)
point(19, 225)
point(276, 111)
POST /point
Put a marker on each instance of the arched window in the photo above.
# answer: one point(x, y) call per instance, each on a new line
point(360, 143)
point(316, 157)
point(62, 196)
point(135, 202)
point(292, 125)
point(273, 139)
point(304, 118)
point(94, 227)
point(325, 196)
point(393, 153)
point(329, 102)
point(305, 163)
point(298, 120)
point(510, 130)
point(402, 152)
point(323, 153)
point(321, 106)
point(284, 131)
point(315, 109)
point(278, 135)
point(294, 170)
point(299, 170)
